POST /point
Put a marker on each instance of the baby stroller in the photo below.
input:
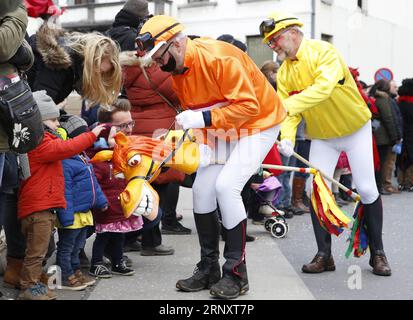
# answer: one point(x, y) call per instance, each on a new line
point(267, 194)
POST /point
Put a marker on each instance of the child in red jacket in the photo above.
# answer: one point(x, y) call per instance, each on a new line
point(43, 193)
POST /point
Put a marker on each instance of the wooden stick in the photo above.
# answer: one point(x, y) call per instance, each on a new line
point(292, 169)
point(356, 197)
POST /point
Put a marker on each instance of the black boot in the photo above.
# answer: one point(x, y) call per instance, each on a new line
point(374, 221)
point(207, 271)
point(323, 239)
point(235, 280)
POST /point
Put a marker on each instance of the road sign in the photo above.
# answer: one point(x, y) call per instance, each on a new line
point(383, 73)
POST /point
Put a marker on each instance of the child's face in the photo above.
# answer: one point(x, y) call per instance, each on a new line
point(52, 124)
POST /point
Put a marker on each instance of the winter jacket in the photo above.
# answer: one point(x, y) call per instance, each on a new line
point(57, 68)
point(12, 30)
point(406, 109)
point(90, 115)
point(7, 6)
point(397, 116)
point(386, 134)
point(45, 189)
point(326, 93)
point(221, 78)
point(149, 110)
point(82, 191)
point(10, 178)
point(112, 187)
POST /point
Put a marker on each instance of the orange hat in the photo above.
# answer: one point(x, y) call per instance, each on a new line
point(156, 32)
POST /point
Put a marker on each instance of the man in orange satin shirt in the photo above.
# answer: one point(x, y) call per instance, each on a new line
point(223, 92)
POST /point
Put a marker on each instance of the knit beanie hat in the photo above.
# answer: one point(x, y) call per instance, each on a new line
point(74, 125)
point(47, 107)
point(7, 6)
point(138, 8)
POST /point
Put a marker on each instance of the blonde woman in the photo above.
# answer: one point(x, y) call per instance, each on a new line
point(87, 63)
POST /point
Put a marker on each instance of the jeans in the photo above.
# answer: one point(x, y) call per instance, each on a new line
point(284, 201)
point(16, 242)
point(111, 242)
point(68, 248)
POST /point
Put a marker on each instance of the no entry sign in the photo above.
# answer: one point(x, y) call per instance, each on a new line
point(383, 73)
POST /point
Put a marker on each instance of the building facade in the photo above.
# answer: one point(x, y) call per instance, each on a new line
point(370, 34)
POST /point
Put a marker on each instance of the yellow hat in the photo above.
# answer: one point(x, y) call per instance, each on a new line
point(156, 30)
point(277, 21)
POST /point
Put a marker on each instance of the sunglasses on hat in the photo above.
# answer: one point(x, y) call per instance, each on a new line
point(146, 42)
point(269, 25)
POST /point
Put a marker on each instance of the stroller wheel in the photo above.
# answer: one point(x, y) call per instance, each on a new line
point(268, 223)
point(279, 230)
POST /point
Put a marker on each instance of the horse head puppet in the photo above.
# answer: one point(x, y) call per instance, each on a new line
point(139, 160)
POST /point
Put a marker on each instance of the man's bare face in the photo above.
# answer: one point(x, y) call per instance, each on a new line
point(282, 44)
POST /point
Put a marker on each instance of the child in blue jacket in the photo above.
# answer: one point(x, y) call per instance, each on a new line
point(82, 193)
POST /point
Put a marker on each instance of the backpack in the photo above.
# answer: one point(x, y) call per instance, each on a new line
point(20, 117)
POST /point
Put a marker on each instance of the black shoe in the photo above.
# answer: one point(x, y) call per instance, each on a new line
point(249, 238)
point(100, 271)
point(132, 247)
point(176, 228)
point(229, 287)
point(200, 280)
point(122, 270)
point(125, 259)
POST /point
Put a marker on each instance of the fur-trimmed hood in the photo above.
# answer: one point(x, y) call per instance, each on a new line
point(381, 94)
point(49, 42)
point(129, 59)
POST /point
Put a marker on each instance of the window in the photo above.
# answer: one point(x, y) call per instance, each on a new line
point(194, 1)
point(257, 51)
point(327, 37)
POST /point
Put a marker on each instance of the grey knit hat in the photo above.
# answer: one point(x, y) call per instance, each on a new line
point(47, 107)
point(74, 125)
point(137, 7)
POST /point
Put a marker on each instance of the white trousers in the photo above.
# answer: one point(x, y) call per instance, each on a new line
point(223, 183)
point(324, 155)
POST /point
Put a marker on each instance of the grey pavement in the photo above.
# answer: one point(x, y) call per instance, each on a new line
point(274, 265)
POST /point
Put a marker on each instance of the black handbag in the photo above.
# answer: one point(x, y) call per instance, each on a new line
point(20, 117)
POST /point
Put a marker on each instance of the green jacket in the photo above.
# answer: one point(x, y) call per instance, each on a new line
point(386, 134)
point(12, 30)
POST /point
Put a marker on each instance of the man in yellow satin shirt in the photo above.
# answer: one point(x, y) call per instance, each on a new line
point(315, 84)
